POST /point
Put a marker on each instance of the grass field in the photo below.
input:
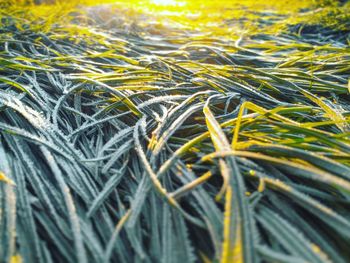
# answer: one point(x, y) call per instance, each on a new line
point(174, 131)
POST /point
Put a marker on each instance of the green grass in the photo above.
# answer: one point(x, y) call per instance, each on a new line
point(129, 141)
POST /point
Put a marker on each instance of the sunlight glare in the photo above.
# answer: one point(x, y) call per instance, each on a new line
point(167, 2)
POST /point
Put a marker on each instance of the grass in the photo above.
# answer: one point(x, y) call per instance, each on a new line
point(129, 137)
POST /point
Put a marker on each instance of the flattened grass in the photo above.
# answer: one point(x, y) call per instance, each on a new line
point(165, 144)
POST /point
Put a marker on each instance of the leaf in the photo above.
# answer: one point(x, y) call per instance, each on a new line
point(6, 179)
point(14, 84)
point(16, 259)
point(238, 230)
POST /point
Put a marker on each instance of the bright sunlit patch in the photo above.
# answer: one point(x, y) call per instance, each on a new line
point(167, 2)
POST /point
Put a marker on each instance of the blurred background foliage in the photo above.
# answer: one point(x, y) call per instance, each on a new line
point(224, 18)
